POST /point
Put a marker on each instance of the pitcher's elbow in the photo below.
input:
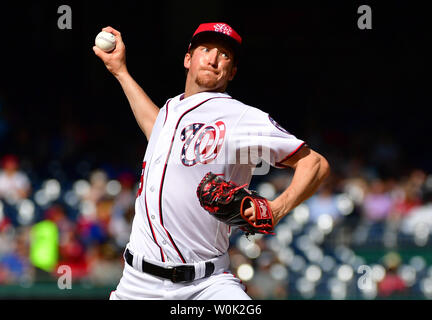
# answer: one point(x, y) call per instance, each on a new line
point(325, 168)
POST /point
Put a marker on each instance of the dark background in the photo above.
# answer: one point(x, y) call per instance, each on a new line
point(342, 89)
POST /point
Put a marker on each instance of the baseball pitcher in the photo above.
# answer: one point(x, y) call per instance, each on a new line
point(203, 147)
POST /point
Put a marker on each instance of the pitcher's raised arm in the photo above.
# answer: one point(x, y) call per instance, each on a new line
point(143, 108)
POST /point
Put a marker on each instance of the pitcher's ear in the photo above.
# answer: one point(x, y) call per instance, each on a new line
point(187, 60)
point(233, 73)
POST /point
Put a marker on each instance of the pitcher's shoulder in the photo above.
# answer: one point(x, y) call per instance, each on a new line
point(231, 104)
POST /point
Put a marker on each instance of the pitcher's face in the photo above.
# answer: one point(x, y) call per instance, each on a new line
point(211, 65)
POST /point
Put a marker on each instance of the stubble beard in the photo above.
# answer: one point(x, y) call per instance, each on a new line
point(206, 82)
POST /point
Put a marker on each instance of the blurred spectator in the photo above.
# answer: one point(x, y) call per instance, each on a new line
point(392, 284)
point(73, 254)
point(408, 194)
point(104, 209)
point(264, 284)
point(123, 210)
point(98, 186)
point(14, 184)
point(126, 197)
point(5, 222)
point(92, 193)
point(377, 203)
point(324, 202)
point(57, 214)
point(15, 266)
point(419, 220)
point(356, 188)
point(121, 226)
point(71, 251)
point(105, 265)
point(96, 229)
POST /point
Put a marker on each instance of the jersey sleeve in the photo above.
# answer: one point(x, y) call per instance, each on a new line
point(259, 137)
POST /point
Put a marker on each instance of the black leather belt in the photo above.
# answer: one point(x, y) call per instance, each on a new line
point(175, 274)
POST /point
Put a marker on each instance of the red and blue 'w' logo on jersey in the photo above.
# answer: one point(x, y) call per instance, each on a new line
point(202, 143)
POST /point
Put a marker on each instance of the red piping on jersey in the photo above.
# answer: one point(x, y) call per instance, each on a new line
point(166, 114)
point(164, 171)
point(288, 156)
point(151, 227)
point(145, 202)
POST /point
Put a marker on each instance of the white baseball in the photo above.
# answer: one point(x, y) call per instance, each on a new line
point(105, 41)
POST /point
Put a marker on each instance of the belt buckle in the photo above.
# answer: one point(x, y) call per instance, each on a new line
point(182, 273)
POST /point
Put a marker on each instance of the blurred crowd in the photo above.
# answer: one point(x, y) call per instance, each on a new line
point(92, 220)
point(361, 236)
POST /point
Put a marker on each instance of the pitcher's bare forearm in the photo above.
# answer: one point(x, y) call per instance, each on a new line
point(143, 108)
point(310, 171)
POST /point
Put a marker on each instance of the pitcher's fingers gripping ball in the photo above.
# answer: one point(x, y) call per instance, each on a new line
point(228, 202)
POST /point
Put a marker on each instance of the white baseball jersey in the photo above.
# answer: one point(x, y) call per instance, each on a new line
point(191, 136)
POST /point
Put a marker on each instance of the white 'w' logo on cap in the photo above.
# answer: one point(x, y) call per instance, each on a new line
point(221, 27)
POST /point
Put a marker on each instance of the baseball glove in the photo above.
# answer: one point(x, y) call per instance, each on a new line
point(227, 202)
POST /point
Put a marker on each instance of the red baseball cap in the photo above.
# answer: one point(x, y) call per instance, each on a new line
point(221, 29)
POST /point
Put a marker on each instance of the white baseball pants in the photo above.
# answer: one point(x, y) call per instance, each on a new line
point(137, 285)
